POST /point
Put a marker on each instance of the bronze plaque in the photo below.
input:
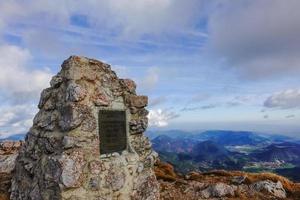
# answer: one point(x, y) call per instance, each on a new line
point(112, 131)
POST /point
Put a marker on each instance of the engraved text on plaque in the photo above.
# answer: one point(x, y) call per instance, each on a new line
point(112, 131)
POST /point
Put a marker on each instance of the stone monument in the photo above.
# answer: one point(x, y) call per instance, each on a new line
point(87, 139)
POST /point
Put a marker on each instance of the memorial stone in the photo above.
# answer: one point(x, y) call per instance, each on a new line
point(87, 139)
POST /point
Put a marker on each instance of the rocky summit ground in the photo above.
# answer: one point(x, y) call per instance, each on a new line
point(214, 185)
point(8, 154)
point(231, 185)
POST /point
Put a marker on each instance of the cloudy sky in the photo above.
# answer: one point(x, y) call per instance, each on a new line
point(205, 64)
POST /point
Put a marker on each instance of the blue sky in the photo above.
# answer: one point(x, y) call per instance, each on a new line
point(205, 64)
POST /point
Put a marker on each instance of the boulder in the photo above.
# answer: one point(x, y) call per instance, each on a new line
point(218, 190)
point(276, 189)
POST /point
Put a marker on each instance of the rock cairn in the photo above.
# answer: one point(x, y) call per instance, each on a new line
point(61, 155)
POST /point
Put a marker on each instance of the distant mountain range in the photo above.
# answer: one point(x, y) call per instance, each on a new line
point(14, 137)
point(286, 151)
point(229, 150)
point(166, 143)
point(224, 137)
point(221, 149)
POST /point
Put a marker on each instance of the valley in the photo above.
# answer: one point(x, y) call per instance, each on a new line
point(228, 150)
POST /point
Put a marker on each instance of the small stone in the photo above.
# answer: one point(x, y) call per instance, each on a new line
point(133, 110)
point(128, 85)
point(140, 168)
point(138, 126)
point(45, 95)
point(100, 98)
point(28, 167)
point(115, 154)
point(75, 92)
point(150, 159)
point(137, 101)
point(72, 68)
point(131, 158)
point(94, 183)
point(50, 104)
point(56, 81)
point(72, 116)
point(72, 169)
point(69, 142)
point(45, 120)
point(143, 112)
point(102, 156)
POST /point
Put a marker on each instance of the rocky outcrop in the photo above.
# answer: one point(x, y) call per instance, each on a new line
point(61, 156)
point(218, 190)
point(8, 154)
point(270, 187)
point(223, 185)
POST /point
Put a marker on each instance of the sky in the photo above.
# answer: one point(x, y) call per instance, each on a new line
point(205, 64)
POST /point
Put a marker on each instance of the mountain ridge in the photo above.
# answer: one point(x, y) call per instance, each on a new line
point(229, 150)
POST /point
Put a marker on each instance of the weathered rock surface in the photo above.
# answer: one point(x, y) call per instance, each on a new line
point(61, 155)
point(8, 154)
point(270, 187)
point(217, 185)
point(238, 179)
point(218, 190)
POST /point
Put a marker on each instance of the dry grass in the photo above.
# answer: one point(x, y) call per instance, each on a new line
point(166, 172)
point(4, 197)
point(293, 189)
point(251, 178)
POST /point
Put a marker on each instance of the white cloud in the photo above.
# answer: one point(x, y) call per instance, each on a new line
point(16, 119)
point(266, 116)
point(47, 28)
point(290, 116)
point(150, 80)
point(285, 99)
point(20, 86)
point(157, 101)
point(164, 16)
point(258, 39)
point(128, 18)
point(200, 97)
point(160, 118)
point(18, 81)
